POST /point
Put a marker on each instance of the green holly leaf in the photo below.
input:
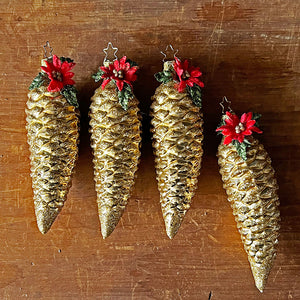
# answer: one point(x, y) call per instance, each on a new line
point(70, 93)
point(125, 95)
point(67, 59)
point(256, 117)
point(38, 81)
point(195, 93)
point(131, 62)
point(241, 148)
point(97, 76)
point(222, 123)
point(164, 76)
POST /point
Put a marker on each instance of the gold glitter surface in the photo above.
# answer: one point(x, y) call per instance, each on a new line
point(52, 126)
point(177, 141)
point(115, 139)
point(252, 192)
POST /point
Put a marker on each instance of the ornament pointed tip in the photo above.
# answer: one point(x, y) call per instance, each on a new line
point(109, 219)
point(43, 229)
point(170, 231)
point(106, 230)
point(260, 285)
point(260, 275)
point(45, 216)
point(172, 222)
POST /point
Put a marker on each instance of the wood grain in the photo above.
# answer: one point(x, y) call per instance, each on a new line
point(248, 51)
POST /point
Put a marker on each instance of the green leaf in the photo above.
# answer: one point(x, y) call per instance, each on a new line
point(256, 117)
point(70, 93)
point(246, 141)
point(125, 95)
point(163, 76)
point(97, 76)
point(131, 62)
point(195, 93)
point(222, 123)
point(241, 148)
point(38, 81)
point(67, 59)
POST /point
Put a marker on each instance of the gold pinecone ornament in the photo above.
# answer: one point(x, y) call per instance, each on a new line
point(177, 139)
point(53, 135)
point(251, 187)
point(115, 140)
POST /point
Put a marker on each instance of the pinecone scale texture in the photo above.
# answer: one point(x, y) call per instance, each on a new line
point(251, 188)
point(115, 140)
point(177, 142)
point(53, 135)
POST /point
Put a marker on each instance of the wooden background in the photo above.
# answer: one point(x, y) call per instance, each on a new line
point(248, 50)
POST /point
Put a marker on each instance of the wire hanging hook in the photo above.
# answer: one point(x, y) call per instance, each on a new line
point(225, 102)
point(174, 52)
point(108, 52)
point(47, 48)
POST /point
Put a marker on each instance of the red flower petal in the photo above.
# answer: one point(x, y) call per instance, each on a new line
point(185, 65)
point(227, 140)
point(46, 69)
point(56, 62)
point(68, 81)
point(65, 67)
point(131, 78)
point(195, 72)
point(181, 86)
point(55, 86)
point(105, 82)
point(228, 114)
point(116, 65)
point(249, 116)
point(256, 129)
point(247, 132)
point(240, 138)
point(178, 71)
point(244, 118)
point(123, 62)
point(130, 74)
point(189, 83)
point(250, 123)
point(232, 119)
point(221, 128)
point(120, 84)
point(104, 69)
point(226, 131)
point(197, 81)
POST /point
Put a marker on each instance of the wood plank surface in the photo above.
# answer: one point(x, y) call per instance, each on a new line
point(248, 51)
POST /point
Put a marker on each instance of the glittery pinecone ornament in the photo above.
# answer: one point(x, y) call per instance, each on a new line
point(177, 139)
point(52, 125)
point(115, 139)
point(251, 187)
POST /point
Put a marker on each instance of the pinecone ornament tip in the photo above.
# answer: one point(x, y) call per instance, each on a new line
point(172, 222)
point(109, 218)
point(45, 220)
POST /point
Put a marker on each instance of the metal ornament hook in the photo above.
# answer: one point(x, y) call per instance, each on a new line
point(108, 52)
point(174, 52)
point(225, 102)
point(47, 48)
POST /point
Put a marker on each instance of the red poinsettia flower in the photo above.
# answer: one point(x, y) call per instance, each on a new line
point(120, 71)
point(59, 74)
point(188, 75)
point(237, 129)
